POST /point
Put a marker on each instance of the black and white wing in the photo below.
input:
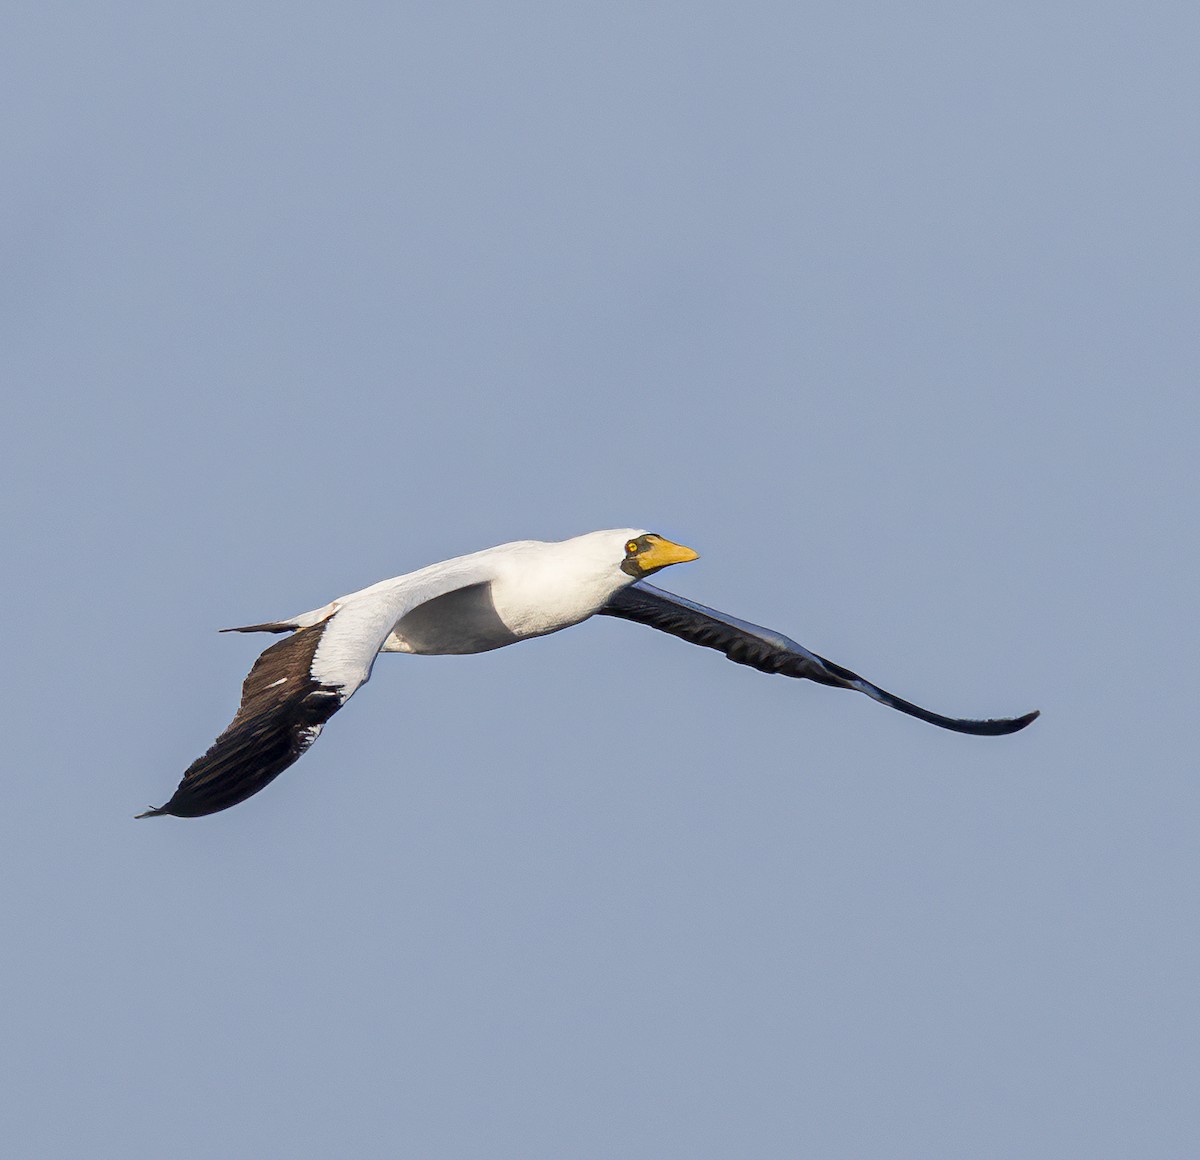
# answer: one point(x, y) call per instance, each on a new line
point(282, 713)
point(772, 652)
point(297, 684)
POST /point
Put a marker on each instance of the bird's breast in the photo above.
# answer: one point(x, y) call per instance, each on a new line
point(535, 603)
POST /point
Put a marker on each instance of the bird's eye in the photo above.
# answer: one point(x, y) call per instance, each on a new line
point(631, 547)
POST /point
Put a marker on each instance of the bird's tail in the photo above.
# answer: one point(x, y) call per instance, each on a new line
point(273, 626)
point(304, 620)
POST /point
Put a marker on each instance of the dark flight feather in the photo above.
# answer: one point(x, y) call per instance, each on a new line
point(771, 652)
point(282, 711)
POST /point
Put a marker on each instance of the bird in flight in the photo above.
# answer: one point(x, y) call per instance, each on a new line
point(472, 604)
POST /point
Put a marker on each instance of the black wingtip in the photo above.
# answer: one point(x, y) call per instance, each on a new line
point(989, 727)
point(994, 726)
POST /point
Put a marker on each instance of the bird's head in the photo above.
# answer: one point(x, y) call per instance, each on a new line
point(594, 566)
point(603, 562)
point(647, 552)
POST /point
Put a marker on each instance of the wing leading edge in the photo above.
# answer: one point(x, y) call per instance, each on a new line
point(771, 652)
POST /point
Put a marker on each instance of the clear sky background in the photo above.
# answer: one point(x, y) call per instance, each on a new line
point(889, 310)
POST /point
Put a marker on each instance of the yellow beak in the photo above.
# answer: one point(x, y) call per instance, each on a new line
point(659, 553)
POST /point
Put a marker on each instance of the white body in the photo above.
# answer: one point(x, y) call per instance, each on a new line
point(469, 604)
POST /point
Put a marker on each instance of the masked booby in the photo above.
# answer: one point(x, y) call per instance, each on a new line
point(472, 604)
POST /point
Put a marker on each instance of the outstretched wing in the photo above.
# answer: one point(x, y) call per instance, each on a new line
point(283, 710)
point(299, 683)
point(772, 652)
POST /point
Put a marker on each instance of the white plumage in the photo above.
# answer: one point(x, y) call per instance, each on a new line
point(471, 604)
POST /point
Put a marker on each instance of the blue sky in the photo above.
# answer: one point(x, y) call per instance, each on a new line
point(889, 312)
